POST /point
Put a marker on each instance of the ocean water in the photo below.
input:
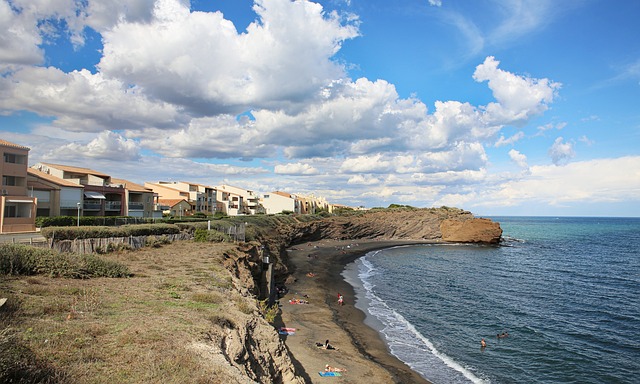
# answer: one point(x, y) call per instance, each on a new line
point(567, 290)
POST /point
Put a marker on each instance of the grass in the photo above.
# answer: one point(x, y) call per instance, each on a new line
point(138, 329)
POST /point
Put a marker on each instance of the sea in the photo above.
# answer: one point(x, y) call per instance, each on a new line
point(566, 290)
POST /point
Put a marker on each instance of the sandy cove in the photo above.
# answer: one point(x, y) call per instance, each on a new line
point(359, 348)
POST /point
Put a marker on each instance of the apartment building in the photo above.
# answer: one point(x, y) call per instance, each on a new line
point(17, 207)
point(202, 198)
point(56, 197)
point(235, 201)
point(278, 202)
point(100, 194)
point(140, 201)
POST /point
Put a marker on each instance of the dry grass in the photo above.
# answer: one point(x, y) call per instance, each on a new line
point(134, 330)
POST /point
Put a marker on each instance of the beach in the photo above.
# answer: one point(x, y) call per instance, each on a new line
point(317, 279)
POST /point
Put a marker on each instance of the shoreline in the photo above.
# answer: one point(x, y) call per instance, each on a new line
point(360, 348)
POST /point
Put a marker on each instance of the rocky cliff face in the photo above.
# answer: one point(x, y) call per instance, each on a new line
point(251, 347)
point(436, 224)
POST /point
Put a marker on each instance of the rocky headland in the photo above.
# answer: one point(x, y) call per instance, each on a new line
point(199, 304)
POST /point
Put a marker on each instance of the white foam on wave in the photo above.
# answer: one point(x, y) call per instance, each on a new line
point(406, 342)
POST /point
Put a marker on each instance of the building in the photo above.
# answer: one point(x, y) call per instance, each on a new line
point(56, 197)
point(175, 207)
point(278, 202)
point(140, 201)
point(235, 201)
point(100, 195)
point(17, 207)
point(202, 198)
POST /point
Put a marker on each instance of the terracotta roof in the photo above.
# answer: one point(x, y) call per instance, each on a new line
point(12, 145)
point(130, 185)
point(52, 179)
point(69, 168)
point(171, 202)
point(285, 194)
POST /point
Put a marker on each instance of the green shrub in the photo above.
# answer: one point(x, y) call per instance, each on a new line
point(70, 233)
point(17, 259)
point(212, 236)
point(269, 312)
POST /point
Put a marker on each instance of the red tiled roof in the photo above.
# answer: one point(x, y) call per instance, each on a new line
point(130, 185)
point(13, 145)
point(170, 202)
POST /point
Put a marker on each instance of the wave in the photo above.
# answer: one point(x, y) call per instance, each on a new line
point(407, 343)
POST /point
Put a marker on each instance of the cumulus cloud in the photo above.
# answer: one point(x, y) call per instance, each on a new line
point(295, 169)
point(107, 145)
point(603, 180)
point(20, 39)
point(199, 60)
point(518, 158)
point(518, 98)
point(82, 101)
point(561, 152)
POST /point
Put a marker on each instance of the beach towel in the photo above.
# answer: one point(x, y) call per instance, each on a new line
point(287, 332)
point(327, 374)
point(287, 329)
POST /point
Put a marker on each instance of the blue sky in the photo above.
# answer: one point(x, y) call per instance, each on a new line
point(500, 107)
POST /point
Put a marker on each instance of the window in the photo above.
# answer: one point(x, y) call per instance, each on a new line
point(14, 158)
point(266, 196)
point(10, 211)
point(9, 180)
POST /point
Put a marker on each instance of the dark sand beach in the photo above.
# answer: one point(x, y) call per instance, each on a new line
point(359, 349)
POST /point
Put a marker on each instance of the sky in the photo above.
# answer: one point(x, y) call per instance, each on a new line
point(498, 107)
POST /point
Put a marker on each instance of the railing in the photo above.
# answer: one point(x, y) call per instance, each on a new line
point(112, 205)
point(91, 206)
point(136, 206)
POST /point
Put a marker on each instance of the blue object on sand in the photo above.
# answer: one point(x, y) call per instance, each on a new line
point(329, 373)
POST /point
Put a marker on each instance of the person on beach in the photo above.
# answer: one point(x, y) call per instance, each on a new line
point(341, 300)
point(326, 345)
point(328, 368)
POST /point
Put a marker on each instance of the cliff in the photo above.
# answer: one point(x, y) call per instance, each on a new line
point(433, 224)
point(190, 302)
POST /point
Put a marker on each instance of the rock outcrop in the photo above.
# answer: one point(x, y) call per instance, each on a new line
point(433, 224)
point(471, 231)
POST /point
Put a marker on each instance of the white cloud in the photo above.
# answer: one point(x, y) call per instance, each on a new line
point(435, 3)
point(509, 141)
point(561, 152)
point(364, 180)
point(295, 169)
point(198, 60)
point(518, 158)
point(82, 101)
point(107, 145)
point(518, 98)
point(20, 39)
point(521, 17)
point(604, 180)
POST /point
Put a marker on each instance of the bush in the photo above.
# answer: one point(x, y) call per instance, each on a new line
point(212, 236)
point(70, 233)
point(17, 259)
point(269, 312)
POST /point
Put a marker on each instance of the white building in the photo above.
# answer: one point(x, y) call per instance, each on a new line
point(278, 202)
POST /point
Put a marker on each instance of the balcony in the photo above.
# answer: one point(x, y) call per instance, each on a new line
point(133, 206)
point(112, 205)
point(89, 205)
